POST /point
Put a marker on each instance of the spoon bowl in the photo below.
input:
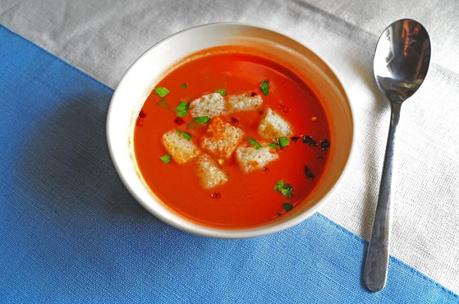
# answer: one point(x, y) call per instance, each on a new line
point(401, 59)
point(400, 66)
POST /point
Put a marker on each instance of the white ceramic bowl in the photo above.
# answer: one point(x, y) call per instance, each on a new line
point(148, 70)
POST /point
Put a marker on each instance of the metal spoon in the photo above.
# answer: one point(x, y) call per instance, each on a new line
point(400, 66)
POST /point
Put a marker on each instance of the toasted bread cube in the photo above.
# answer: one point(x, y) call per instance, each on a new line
point(244, 102)
point(209, 172)
point(273, 126)
point(209, 105)
point(181, 149)
point(221, 139)
point(251, 159)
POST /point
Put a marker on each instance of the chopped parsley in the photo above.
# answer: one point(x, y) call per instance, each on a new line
point(279, 185)
point(287, 206)
point(161, 91)
point(284, 188)
point(221, 92)
point(264, 87)
point(184, 85)
point(166, 158)
point(254, 143)
point(201, 119)
point(182, 109)
point(274, 145)
point(283, 142)
point(184, 134)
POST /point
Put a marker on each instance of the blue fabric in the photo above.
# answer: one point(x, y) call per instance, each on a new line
point(71, 233)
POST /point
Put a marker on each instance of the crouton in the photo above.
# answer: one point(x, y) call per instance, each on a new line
point(209, 172)
point(251, 159)
point(273, 126)
point(209, 105)
point(221, 139)
point(244, 102)
point(181, 149)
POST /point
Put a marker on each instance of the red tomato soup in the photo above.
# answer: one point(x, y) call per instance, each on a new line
point(241, 199)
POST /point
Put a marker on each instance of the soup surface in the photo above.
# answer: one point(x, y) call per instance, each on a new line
point(244, 199)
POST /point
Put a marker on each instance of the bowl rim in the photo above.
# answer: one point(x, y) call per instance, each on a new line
point(231, 233)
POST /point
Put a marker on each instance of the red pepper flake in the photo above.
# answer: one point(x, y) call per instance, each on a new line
point(253, 94)
point(215, 195)
point(234, 121)
point(179, 121)
point(266, 169)
point(139, 122)
point(142, 114)
point(295, 138)
point(284, 108)
point(260, 113)
point(320, 157)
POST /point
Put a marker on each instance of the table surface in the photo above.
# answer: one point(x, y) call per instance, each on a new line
point(102, 38)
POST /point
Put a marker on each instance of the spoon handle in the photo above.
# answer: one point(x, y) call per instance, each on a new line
point(377, 259)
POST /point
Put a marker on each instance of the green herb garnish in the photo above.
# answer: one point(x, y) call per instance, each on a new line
point(279, 185)
point(201, 119)
point(182, 109)
point(166, 158)
point(161, 91)
point(184, 85)
point(284, 188)
point(184, 134)
point(264, 87)
point(287, 190)
point(221, 92)
point(283, 142)
point(254, 143)
point(287, 206)
point(274, 145)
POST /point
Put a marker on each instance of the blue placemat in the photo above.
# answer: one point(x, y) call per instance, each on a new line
point(71, 233)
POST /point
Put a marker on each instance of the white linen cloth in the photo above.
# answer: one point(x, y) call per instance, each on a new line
point(104, 37)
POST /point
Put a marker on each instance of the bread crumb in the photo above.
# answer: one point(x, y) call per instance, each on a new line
point(273, 126)
point(209, 172)
point(181, 150)
point(244, 102)
point(209, 105)
point(221, 139)
point(251, 159)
